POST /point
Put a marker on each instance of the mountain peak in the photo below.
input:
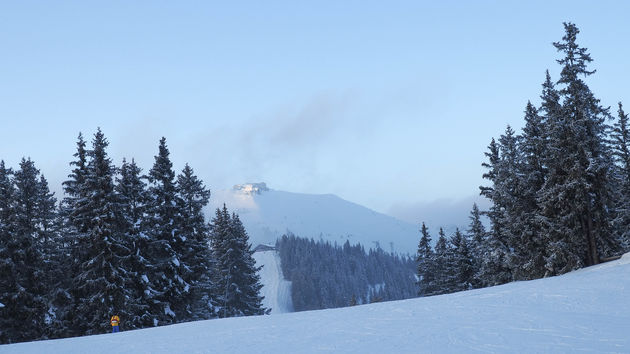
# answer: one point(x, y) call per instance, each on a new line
point(251, 188)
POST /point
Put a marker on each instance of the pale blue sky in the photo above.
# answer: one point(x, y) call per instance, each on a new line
point(388, 104)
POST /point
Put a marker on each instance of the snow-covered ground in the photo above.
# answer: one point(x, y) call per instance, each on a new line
point(276, 290)
point(584, 311)
point(267, 214)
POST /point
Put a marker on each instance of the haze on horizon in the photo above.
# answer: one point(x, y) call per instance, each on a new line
point(388, 105)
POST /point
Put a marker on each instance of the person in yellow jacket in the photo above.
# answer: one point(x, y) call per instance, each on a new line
point(115, 321)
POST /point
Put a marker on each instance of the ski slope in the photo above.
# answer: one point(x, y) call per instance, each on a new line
point(584, 311)
point(276, 290)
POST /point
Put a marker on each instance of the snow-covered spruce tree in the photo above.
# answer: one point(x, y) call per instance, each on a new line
point(463, 268)
point(7, 247)
point(165, 243)
point(102, 279)
point(530, 245)
point(237, 284)
point(425, 258)
point(476, 235)
point(51, 244)
point(443, 279)
point(74, 188)
point(25, 294)
point(494, 268)
point(47, 219)
point(620, 144)
point(575, 198)
point(71, 246)
point(508, 188)
point(193, 197)
point(132, 196)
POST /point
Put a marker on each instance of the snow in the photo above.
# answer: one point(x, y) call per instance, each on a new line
point(1, 305)
point(267, 214)
point(583, 311)
point(276, 290)
point(168, 311)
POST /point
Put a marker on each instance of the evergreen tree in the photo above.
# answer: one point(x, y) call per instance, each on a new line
point(71, 247)
point(425, 258)
point(7, 265)
point(494, 268)
point(52, 247)
point(132, 196)
point(530, 245)
point(237, 283)
point(103, 275)
point(74, 188)
point(46, 218)
point(166, 245)
point(462, 260)
point(443, 282)
point(620, 143)
point(477, 235)
point(25, 292)
point(575, 198)
point(193, 197)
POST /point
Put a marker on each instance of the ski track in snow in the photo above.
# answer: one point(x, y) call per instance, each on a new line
point(276, 290)
point(584, 311)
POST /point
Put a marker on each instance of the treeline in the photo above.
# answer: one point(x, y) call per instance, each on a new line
point(328, 276)
point(560, 190)
point(119, 242)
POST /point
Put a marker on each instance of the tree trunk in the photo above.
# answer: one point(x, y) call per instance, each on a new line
point(593, 257)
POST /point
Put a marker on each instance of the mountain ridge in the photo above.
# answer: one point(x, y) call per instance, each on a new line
point(267, 214)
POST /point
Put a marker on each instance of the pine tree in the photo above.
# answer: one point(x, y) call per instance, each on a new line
point(165, 244)
point(71, 246)
point(620, 144)
point(7, 265)
point(575, 198)
point(530, 246)
point(477, 235)
point(425, 258)
point(463, 268)
point(443, 279)
point(237, 284)
point(74, 187)
point(25, 293)
point(193, 197)
point(51, 243)
point(132, 196)
point(46, 217)
point(103, 276)
point(494, 268)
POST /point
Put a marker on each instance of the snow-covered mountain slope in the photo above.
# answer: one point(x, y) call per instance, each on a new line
point(276, 290)
point(268, 214)
point(584, 311)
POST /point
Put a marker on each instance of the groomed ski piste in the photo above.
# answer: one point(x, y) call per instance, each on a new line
point(584, 311)
point(276, 290)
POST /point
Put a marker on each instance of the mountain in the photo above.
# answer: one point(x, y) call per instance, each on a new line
point(268, 214)
point(583, 311)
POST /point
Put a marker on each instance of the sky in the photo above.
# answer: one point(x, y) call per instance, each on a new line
point(387, 104)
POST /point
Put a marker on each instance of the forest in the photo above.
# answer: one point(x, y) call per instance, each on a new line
point(118, 243)
point(324, 275)
point(559, 191)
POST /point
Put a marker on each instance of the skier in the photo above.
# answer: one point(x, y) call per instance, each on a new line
point(115, 321)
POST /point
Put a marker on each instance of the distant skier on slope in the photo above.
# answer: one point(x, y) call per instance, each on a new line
point(115, 321)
